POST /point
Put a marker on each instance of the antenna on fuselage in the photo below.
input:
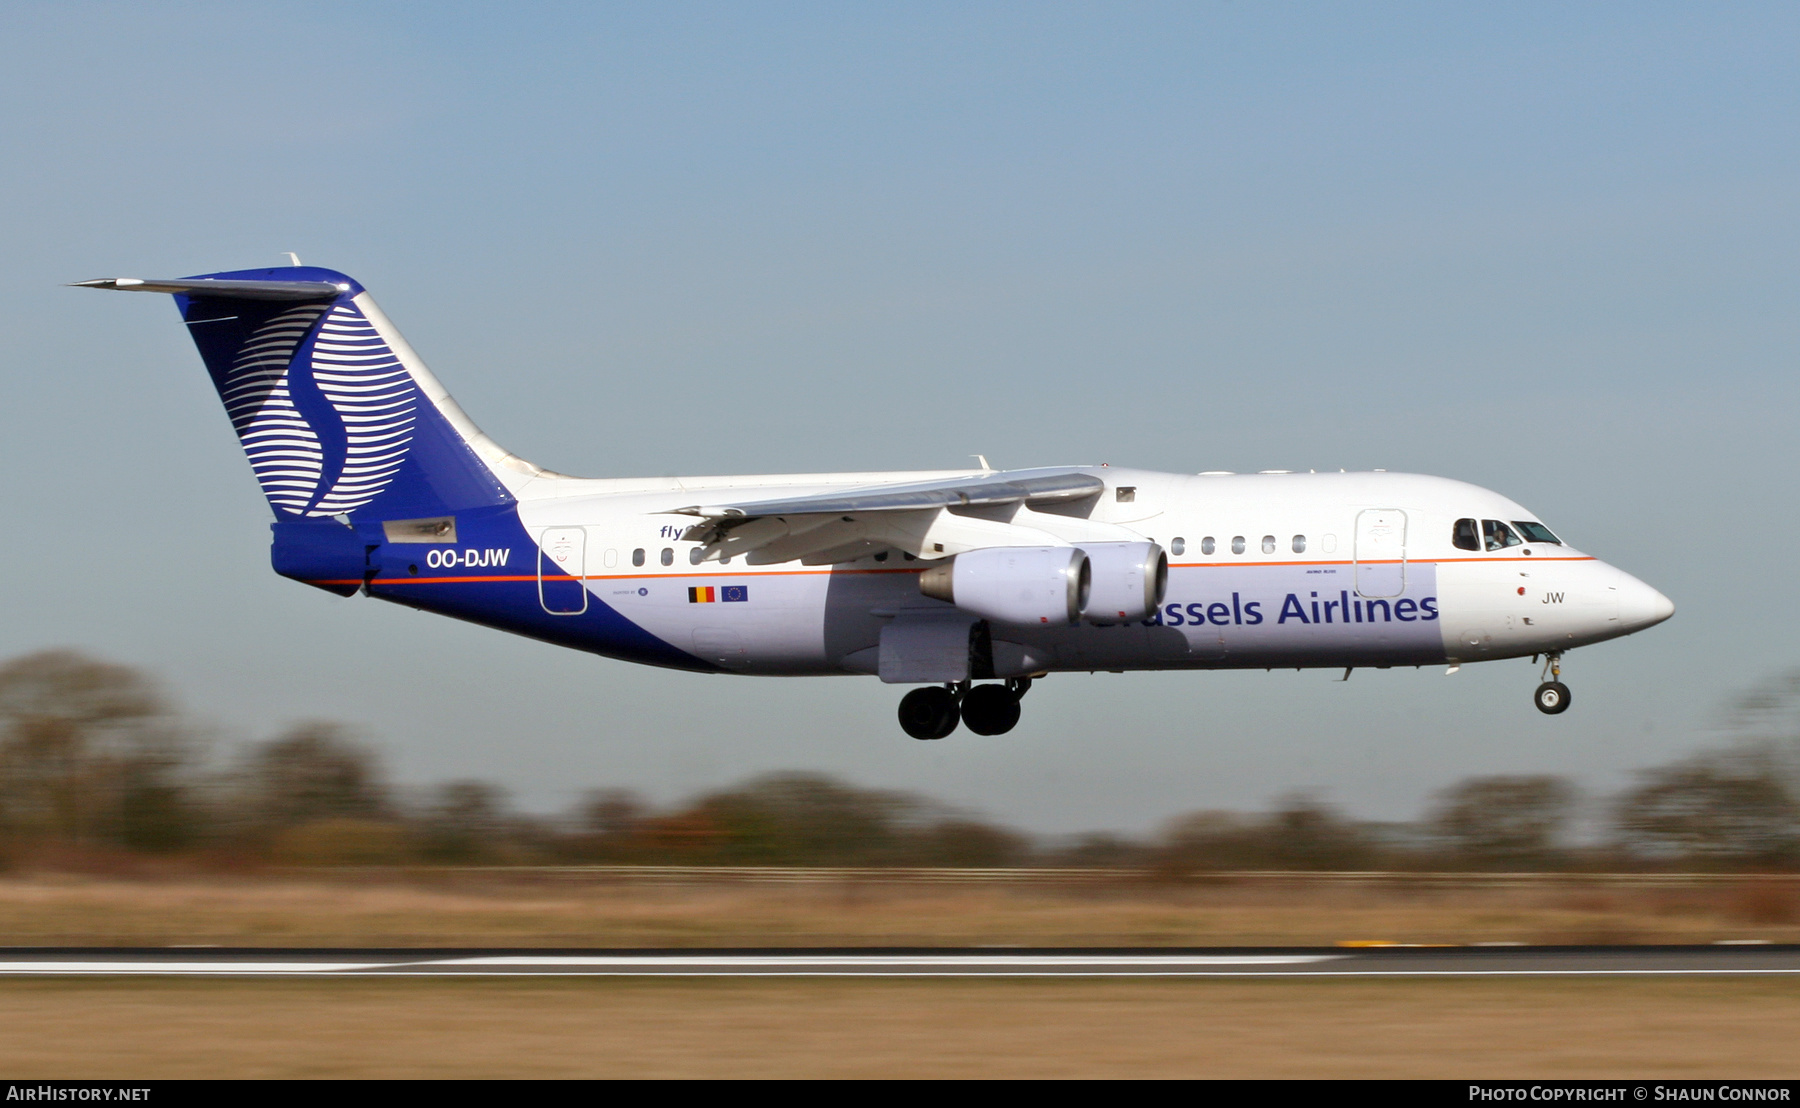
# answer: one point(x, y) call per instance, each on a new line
point(293, 258)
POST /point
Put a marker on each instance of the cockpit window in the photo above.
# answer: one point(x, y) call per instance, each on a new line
point(1465, 536)
point(1535, 532)
point(1497, 535)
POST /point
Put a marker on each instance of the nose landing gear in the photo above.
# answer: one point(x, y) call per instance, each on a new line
point(1552, 697)
point(932, 713)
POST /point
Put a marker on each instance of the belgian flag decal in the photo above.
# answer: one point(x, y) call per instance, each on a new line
point(709, 594)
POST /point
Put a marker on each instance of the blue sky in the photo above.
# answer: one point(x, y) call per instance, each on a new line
point(1548, 249)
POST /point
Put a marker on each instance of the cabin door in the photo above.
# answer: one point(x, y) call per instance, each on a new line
point(1381, 552)
point(562, 556)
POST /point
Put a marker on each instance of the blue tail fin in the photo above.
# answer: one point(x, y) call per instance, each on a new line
point(341, 421)
point(336, 413)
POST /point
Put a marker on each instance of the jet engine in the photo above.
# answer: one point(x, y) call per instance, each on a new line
point(1014, 584)
point(1130, 579)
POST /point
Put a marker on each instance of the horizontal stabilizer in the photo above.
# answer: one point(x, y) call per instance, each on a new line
point(243, 290)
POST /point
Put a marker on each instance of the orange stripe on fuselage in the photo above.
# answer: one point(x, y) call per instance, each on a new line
point(826, 570)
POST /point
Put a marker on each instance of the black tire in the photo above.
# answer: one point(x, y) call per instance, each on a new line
point(1552, 698)
point(928, 713)
point(990, 709)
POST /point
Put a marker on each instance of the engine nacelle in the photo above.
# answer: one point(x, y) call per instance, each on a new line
point(1014, 584)
point(1130, 579)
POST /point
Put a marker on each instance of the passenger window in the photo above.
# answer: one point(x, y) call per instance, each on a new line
point(1497, 535)
point(695, 555)
point(668, 556)
point(1125, 494)
point(1536, 532)
point(611, 559)
point(1268, 544)
point(1328, 544)
point(637, 556)
point(1464, 536)
point(1207, 546)
point(1299, 544)
point(725, 560)
point(1178, 545)
point(1237, 544)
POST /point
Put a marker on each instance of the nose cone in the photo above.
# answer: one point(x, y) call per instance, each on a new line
point(1641, 606)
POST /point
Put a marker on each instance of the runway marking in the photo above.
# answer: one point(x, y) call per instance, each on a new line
point(184, 968)
point(871, 961)
point(1076, 974)
point(1604, 963)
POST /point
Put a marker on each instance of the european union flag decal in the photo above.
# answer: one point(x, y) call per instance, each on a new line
point(734, 592)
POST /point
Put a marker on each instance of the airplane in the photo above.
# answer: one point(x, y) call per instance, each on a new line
point(967, 583)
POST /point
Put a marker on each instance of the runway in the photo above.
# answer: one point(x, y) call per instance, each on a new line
point(852, 962)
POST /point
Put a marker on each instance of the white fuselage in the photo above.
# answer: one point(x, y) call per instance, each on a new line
point(1274, 569)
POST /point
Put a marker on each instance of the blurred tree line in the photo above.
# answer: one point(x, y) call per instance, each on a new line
point(93, 758)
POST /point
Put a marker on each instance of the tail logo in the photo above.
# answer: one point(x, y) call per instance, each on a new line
point(326, 425)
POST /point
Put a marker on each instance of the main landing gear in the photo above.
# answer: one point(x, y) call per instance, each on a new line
point(929, 713)
point(933, 712)
point(1552, 697)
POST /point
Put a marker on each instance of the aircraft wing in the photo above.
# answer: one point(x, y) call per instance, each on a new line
point(924, 519)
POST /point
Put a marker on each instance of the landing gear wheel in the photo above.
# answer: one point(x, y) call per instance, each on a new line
point(1552, 698)
point(928, 713)
point(990, 709)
